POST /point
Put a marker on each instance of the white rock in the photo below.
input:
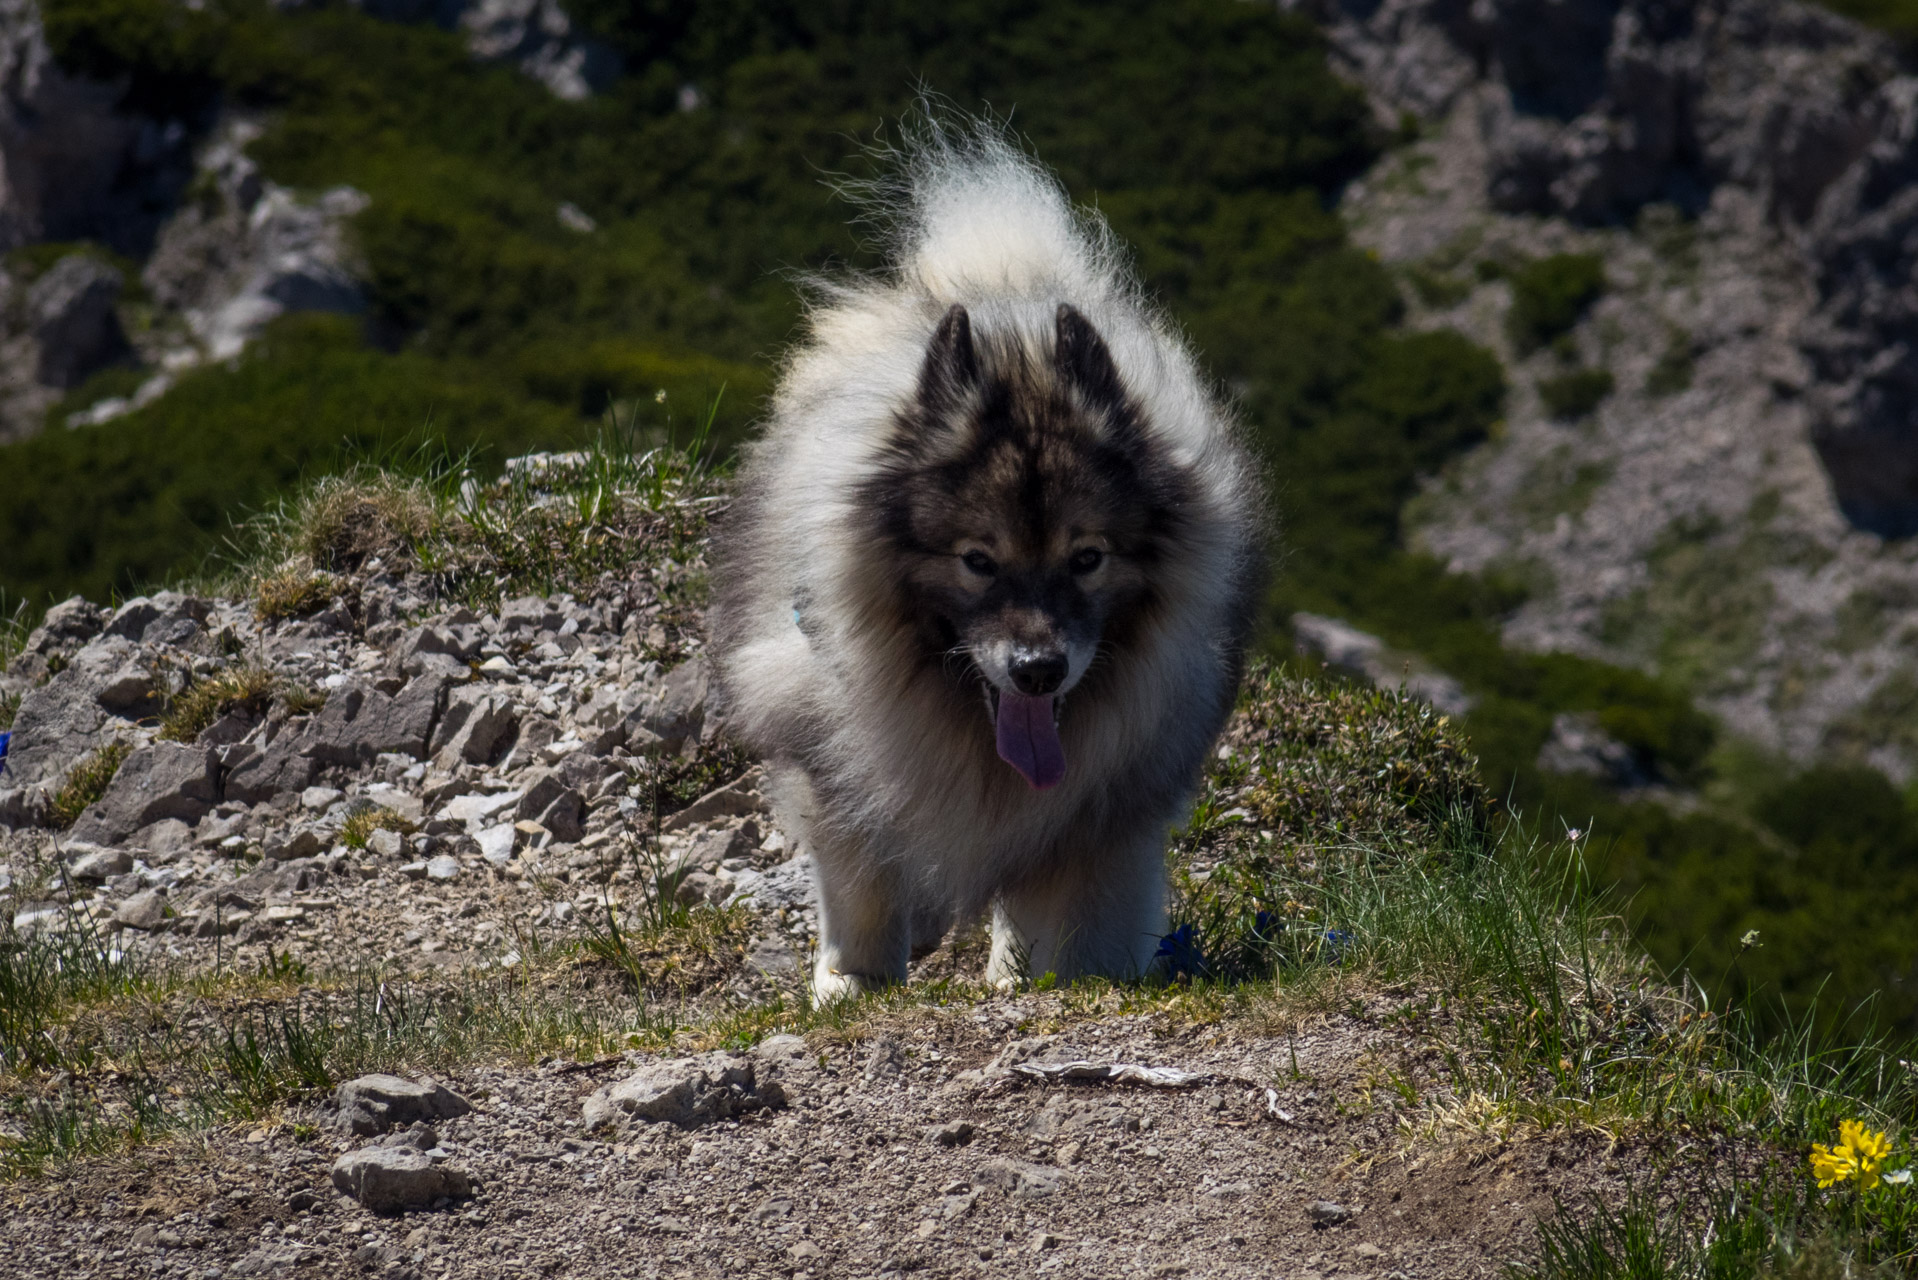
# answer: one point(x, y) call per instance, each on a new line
point(473, 810)
point(496, 843)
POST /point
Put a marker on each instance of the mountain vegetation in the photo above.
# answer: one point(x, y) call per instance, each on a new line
point(1211, 134)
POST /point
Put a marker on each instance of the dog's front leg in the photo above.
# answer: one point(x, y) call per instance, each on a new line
point(865, 929)
point(1103, 913)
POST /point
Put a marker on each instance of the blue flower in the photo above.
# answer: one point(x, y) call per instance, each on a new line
point(1333, 943)
point(1180, 951)
point(6, 740)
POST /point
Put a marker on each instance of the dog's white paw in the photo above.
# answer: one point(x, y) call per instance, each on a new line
point(829, 986)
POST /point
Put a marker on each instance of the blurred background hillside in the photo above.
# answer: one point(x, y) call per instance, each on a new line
point(1574, 335)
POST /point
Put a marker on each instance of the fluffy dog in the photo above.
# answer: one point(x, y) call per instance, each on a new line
point(982, 595)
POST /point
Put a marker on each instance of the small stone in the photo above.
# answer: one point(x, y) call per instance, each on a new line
point(413, 870)
point(444, 867)
point(144, 910)
point(496, 843)
point(697, 887)
point(954, 1133)
point(319, 799)
point(1327, 1213)
point(97, 865)
point(805, 1251)
point(1043, 1240)
point(1369, 1250)
point(497, 665)
point(773, 1209)
point(394, 1179)
point(301, 842)
point(387, 844)
point(685, 1092)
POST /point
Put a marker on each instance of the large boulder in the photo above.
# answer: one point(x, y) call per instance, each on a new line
point(359, 722)
point(373, 1104)
point(164, 780)
point(477, 727)
point(60, 721)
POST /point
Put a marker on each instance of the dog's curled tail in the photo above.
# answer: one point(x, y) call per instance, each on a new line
point(970, 214)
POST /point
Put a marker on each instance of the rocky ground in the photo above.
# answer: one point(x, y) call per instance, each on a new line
point(343, 825)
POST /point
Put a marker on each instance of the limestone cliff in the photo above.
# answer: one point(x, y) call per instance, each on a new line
point(1736, 512)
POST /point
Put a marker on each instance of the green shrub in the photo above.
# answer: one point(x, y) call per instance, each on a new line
point(498, 327)
point(1549, 295)
point(1673, 371)
point(1569, 396)
point(1897, 18)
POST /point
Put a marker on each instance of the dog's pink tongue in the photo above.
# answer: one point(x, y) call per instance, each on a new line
point(1029, 740)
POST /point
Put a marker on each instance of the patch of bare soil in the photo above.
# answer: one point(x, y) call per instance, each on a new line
point(910, 1145)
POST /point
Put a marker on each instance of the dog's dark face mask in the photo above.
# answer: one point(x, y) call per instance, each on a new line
point(1030, 510)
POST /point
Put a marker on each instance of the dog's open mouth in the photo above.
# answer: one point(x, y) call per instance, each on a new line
point(1028, 734)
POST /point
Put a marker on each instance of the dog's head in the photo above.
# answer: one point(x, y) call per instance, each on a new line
point(1030, 509)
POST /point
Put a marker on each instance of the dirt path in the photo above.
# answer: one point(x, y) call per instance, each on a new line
point(912, 1149)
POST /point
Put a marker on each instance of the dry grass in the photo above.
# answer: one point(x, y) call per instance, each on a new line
point(293, 591)
point(344, 521)
point(359, 827)
point(247, 687)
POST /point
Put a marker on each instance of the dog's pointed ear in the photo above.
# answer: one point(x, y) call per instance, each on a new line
point(1084, 361)
point(951, 370)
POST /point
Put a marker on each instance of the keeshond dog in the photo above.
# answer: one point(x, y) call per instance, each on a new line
point(981, 597)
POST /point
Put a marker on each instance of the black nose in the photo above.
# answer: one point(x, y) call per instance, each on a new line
point(1037, 674)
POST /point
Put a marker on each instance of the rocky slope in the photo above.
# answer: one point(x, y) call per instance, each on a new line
point(1735, 512)
point(383, 742)
point(208, 251)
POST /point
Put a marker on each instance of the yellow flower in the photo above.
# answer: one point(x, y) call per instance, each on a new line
point(1829, 1166)
point(1873, 1148)
point(1859, 1152)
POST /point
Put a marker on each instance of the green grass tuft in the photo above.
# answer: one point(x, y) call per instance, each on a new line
point(87, 781)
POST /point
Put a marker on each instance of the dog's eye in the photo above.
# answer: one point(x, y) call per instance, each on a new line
point(1086, 559)
point(980, 563)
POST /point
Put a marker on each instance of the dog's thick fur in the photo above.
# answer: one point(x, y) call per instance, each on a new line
point(994, 483)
